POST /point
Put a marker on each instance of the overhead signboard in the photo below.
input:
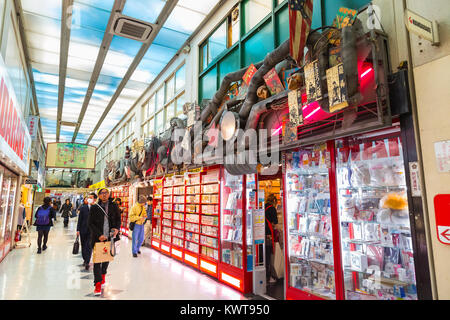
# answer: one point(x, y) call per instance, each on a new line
point(70, 155)
point(15, 140)
point(441, 210)
point(31, 181)
point(424, 28)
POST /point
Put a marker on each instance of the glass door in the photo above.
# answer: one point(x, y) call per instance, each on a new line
point(309, 232)
point(4, 197)
point(10, 210)
point(377, 253)
point(231, 216)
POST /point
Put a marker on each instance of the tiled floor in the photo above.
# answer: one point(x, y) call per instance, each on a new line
point(57, 274)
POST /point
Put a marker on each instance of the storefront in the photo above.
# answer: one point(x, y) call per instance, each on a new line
point(15, 145)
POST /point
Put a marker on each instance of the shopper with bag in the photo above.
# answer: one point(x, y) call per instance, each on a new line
point(83, 230)
point(271, 222)
point(43, 222)
point(104, 219)
point(138, 216)
point(66, 210)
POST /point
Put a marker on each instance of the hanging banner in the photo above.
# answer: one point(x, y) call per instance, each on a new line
point(15, 140)
point(312, 79)
point(337, 89)
point(33, 126)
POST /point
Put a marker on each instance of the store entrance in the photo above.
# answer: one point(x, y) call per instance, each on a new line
point(271, 185)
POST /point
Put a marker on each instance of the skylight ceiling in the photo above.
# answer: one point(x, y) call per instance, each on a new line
point(42, 24)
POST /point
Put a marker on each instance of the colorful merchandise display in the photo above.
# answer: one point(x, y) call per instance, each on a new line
point(348, 228)
point(122, 192)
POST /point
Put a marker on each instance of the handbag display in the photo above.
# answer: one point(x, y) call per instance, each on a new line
point(102, 252)
point(76, 246)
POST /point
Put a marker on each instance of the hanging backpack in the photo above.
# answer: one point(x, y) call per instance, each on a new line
point(43, 217)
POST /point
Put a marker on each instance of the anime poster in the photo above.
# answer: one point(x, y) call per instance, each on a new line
point(295, 108)
point(273, 82)
point(289, 132)
point(312, 79)
point(337, 89)
point(249, 74)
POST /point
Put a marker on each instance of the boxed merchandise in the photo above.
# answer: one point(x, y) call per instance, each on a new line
point(358, 261)
point(210, 188)
point(194, 218)
point(178, 224)
point(191, 246)
point(192, 227)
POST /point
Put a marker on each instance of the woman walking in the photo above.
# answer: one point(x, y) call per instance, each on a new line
point(44, 215)
point(66, 210)
point(104, 218)
point(271, 222)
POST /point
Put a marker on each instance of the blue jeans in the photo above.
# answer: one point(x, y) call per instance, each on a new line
point(137, 237)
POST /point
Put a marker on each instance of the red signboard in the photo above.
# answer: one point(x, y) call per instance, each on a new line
point(442, 212)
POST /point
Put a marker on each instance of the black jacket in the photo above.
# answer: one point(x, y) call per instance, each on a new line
point(96, 218)
point(66, 210)
point(271, 216)
point(83, 216)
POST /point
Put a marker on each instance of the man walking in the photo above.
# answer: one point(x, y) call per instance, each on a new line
point(104, 218)
point(83, 230)
point(139, 216)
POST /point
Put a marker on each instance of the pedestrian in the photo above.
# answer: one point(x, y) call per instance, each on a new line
point(55, 207)
point(44, 215)
point(103, 219)
point(138, 215)
point(271, 221)
point(83, 230)
point(149, 208)
point(66, 210)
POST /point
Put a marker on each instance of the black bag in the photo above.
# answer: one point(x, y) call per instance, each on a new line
point(131, 226)
point(76, 246)
point(74, 213)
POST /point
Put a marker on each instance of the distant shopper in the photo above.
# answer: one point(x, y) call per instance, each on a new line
point(66, 211)
point(58, 203)
point(55, 207)
point(83, 230)
point(103, 218)
point(149, 208)
point(44, 215)
point(139, 216)
point(271, 221)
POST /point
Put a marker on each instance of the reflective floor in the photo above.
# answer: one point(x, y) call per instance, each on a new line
point(57, 274)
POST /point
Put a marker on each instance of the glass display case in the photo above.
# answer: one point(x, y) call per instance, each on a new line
point(310, 259)
point(157, 211)
point(376, 245)
point(231, 216)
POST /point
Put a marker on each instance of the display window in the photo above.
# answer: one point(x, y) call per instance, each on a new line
point(157, 213)
point(377, 252)
point(123, 193)
point(232, 215)
point(310, 255)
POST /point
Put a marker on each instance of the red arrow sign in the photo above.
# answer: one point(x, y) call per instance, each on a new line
point(442, 214)
point(446, 234)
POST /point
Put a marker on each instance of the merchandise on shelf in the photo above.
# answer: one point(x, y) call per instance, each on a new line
point(377, 253)
point(310, 246)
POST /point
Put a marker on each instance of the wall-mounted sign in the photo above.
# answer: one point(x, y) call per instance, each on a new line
point(15, 141)
point(441, 210)
point(442, 152)
point(31, 181)
point(424, 28)
point(415, 179)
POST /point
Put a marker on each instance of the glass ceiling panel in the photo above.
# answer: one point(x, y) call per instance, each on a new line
point(46, 8)
point(90, 17)
point(48, 26)
point(203, 6)
point(184, 20)
point(148, 10)
point(100, 4)
point(170, 38)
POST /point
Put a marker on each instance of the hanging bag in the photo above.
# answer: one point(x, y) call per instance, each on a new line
point(76, 246)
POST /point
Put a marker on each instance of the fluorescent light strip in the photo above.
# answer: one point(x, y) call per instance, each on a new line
point(176, 252)
point(208, 266)
point(365, 73)
point(309, 115)
point(190, 258)
point(231, 280)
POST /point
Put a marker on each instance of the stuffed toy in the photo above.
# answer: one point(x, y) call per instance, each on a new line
point(263, 92)
point(294, 81)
